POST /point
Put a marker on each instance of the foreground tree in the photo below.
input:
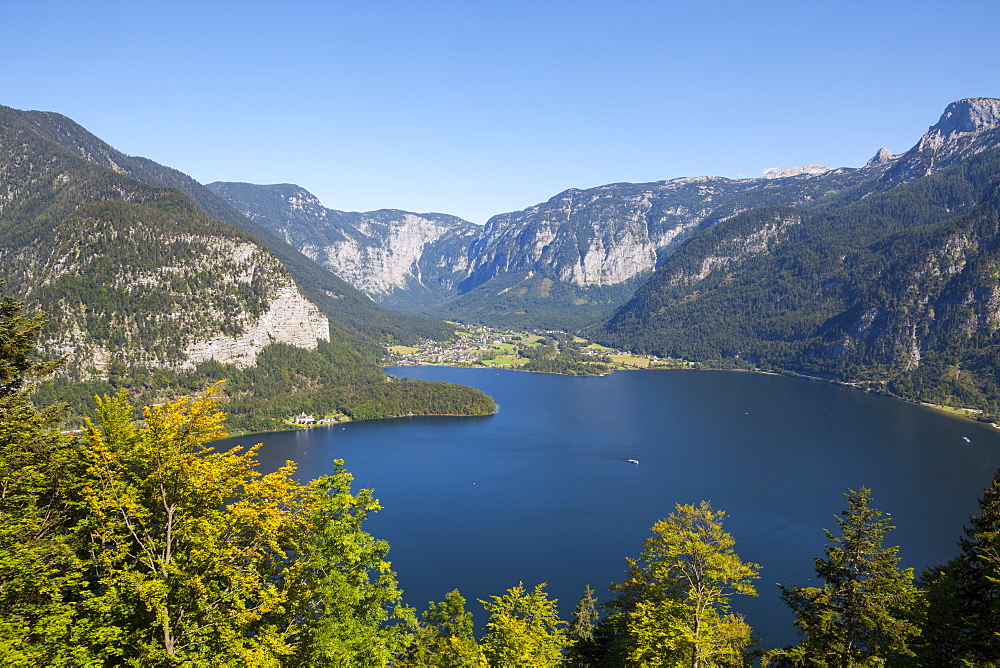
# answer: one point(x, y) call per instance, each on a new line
point(863, 612)
point(445, 638)
point(40, 572)
point(674, 606)
point(583, 649)
point(524, 629)
point(198, 557)
point(962, 621)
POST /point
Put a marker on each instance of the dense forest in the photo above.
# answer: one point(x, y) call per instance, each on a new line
point(139, 544)
point(893, 292)
point(285, 381)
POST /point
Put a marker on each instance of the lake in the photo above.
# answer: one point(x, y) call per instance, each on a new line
point(543, 492)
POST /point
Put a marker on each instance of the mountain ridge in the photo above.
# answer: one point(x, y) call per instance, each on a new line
point(581, 253)
point(896, 291)
point(349, 309)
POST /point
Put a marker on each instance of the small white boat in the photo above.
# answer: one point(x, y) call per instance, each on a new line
point(966, 439)
point(634, 461)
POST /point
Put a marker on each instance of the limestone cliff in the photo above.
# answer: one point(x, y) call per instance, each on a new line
point(131, 274)
point(384, 253)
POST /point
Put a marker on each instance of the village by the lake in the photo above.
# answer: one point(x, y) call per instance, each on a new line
point(543, 351)
point(506, 349)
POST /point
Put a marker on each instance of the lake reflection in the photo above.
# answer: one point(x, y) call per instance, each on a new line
point(543, 491)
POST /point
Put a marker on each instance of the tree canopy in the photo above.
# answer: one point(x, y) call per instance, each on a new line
point(865, 608)
point(675, 600)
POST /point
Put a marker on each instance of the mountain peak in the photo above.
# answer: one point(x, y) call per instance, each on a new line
point(965, 128)
point(883, 156)
point(973, 114)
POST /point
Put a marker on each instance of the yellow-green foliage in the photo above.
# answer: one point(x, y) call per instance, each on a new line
point(178, 553)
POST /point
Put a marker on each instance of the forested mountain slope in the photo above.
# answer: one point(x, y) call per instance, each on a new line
point(898, 291)
point(348, 308)
point(145, 292)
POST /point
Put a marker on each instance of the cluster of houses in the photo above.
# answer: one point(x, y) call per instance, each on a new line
point(308, 420)
point(467, 349)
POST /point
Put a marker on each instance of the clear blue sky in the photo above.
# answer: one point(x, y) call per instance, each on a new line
point(476, 107)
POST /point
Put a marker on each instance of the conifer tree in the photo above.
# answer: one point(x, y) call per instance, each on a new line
point(40, 572)
point(962, 621)
point(863, 611)
point(581, 630)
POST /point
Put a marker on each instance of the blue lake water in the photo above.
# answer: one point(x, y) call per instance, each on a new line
point(543, 492)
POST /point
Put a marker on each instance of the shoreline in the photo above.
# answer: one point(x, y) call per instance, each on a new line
point(238, 434)
point(952, 411)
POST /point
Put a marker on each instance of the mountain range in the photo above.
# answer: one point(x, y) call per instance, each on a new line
point(140, 269)
point(577, 257)
point(882, 275)
point(896, 290)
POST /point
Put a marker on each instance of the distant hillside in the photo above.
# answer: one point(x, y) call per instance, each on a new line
point(898, 290)
point(145, 292)
point(348, 308)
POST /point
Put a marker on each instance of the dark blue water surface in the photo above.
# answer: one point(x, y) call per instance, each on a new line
point(543, 491)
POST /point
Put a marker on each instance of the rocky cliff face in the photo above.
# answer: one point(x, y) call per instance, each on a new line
point(597, 237)
point(595, 244)
point(381, 252)
point(966, 127)
point(131, 273)
point(289, 318)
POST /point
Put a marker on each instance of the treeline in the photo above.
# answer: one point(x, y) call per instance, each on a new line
point(286, 380)
point(402, 397)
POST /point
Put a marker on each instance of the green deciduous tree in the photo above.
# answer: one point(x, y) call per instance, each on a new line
point(198, 557)
point(344, 603)
point(675, 601)
point(524, 629)
point(863, 611)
